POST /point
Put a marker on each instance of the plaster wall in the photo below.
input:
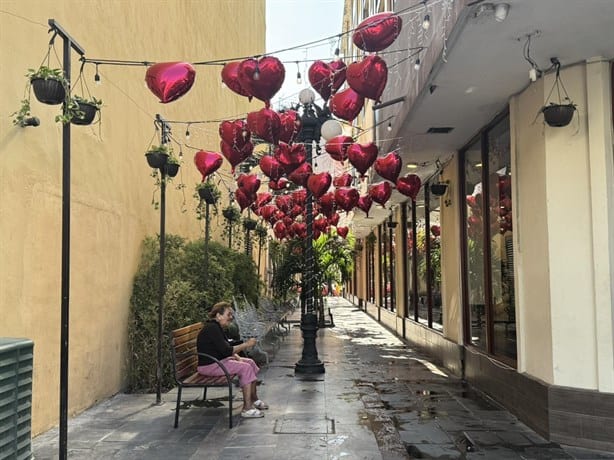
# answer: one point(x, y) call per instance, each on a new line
point(111, 187)
point(531, 249)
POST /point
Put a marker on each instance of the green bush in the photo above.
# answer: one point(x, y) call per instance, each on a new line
point(190, 293)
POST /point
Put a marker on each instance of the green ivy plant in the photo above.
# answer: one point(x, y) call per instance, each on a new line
point(20, 116)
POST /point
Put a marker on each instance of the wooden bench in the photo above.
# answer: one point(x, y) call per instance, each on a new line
point(185, 362)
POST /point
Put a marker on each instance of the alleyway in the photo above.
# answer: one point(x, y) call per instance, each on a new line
point(377, 400)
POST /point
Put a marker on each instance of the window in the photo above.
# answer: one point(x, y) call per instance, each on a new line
point(488, 276)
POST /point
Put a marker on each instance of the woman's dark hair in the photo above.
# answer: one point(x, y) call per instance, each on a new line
point(220, 308)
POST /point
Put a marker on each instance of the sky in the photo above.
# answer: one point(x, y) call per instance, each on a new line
point(295, 22)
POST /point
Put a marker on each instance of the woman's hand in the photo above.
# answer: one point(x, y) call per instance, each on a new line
point(251, 342)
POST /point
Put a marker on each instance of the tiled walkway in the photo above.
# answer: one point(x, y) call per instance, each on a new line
point(378, 399)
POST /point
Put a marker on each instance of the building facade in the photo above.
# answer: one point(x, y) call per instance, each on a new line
point(503, 266)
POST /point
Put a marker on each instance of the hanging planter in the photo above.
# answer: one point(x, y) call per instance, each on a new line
point(85, 110)
point(157, 156)
point(172, 168)
point(557, 115)
point(208, 191)
point(49, 85)
point(439, 188)
point(560, 113)
point(231, 214)
point(249, 224)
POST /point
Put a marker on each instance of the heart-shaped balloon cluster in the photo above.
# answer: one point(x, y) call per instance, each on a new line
point(388, 166)
point(409, 185)
point(265, 123)
point(346, 104)
point(230, 77)
point(170, 80)
point(362, 156)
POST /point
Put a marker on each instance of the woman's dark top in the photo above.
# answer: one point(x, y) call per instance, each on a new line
point(213, 341)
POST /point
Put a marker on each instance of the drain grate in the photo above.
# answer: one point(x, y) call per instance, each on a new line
point(308, 424)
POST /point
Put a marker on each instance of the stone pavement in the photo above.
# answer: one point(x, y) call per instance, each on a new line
point(378, 399)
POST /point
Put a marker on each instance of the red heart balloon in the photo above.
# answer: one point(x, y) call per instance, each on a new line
point(170, 80)
point(320, 223)
point(342, 232)
point(234, 155)
point(380, 192)
point(290, 126)
point(279, 184)
point(267, 211)
point(235, 133)
point(271, 167)
point(265, 123)
point(388, 166)
point(301, 174)
point(368, 77)
point(377, 32)
point(249, 183)
point(243, 198)
point(296, 210)
point(333, 219)
point(280, 230)
point(409, 185)
point(344, 180)
point(327, 203)
point(207, 162)
point(337, 147)
point(263, 198)
point(284, 202)
point(287, 220)
point(290, 156)
point(346, 198)
point(364, 203)
point(319, 184)
point(362, 156)
point(326, 78)
point(265, 83)
point(346, 104)
point(230, 77)
point(299, 196)
point(435, 230)
point(299, 229)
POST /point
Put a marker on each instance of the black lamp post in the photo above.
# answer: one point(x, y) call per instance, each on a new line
point(312, 119)
point(164, 173)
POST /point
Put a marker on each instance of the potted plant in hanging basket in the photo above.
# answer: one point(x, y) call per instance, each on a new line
point(85, 110)
point(157, 155)
point(261, 233)
point(558, 115)
point(49, 84)
point(249, 223)
point(172, 165)
point(231, 214)
point(208, 191)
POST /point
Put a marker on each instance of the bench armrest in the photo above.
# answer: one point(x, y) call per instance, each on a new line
point(219, 363)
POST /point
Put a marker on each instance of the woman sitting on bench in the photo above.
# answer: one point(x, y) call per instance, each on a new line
point(212, 341)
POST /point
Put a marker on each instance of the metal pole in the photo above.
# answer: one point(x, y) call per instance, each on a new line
point(68, 44)
point(161, 287)
point(309, 363)
point(207, 230)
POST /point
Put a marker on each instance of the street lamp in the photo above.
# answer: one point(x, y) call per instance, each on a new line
point(313, 119)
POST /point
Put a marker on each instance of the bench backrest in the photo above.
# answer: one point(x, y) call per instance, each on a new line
point(183, 344)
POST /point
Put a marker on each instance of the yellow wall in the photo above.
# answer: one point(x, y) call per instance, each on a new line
point(111, 183)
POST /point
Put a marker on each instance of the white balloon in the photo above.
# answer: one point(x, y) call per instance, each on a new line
point(330, 129)
point(306, 96)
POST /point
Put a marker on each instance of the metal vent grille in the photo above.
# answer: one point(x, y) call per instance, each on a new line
point(16, 359)
point(439, 130)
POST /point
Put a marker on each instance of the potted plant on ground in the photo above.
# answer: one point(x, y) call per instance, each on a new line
point(157, 155)
point(208, 191)
point(86, 110)
point(50, 85)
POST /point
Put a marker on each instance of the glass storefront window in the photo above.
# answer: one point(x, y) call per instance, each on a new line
point(475, 245)
point(422, 234)
point(435, 257)
point(489, 251)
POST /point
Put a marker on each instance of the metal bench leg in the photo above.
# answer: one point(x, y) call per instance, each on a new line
point(177, 407)
point(229, 404)
point(204, 393)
